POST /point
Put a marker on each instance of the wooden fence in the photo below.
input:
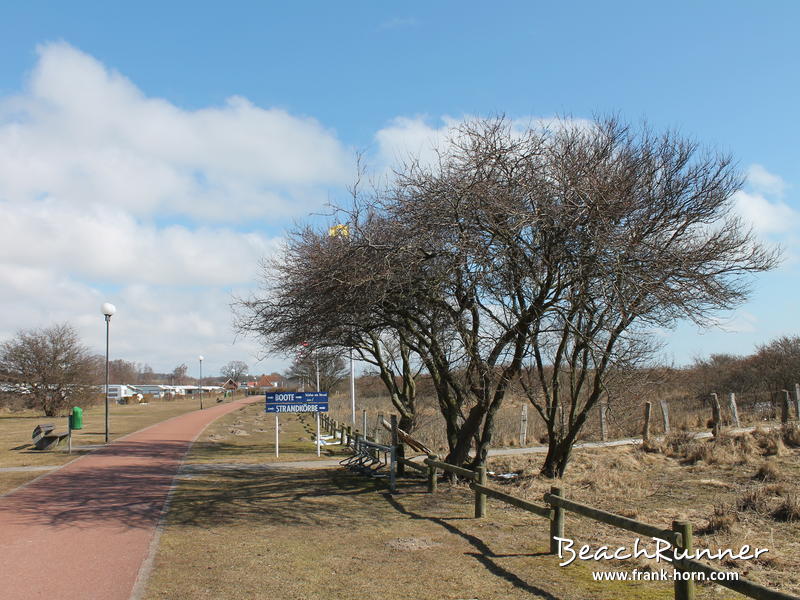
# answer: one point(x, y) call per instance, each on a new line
point(556, 505)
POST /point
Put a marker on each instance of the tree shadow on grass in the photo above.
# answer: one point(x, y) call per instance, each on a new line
point(485, 555)
point(273, 497)
point(131, 494)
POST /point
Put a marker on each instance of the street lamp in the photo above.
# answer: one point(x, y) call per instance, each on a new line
point(201, 381)
point(108, 310)
point(353, 387)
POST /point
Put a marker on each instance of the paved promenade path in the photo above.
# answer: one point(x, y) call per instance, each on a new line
point(83, 531)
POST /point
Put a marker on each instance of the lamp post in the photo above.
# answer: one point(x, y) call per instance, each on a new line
point(353, 387)
point(108, 310)
point(201, 381)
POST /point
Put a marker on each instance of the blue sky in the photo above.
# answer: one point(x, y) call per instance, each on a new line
point(156, 150)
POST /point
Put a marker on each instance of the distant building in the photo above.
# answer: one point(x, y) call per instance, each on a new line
point(271, 382)
point(120, 393)
point(156, 391)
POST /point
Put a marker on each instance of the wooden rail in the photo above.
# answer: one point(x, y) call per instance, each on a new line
point(743, 586)
point(542, 511)
point(612, 519)
point(414, 465)
point(680, 536)
point(460, 471)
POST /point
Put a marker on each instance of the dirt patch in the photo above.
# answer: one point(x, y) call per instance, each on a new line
point(407, 544)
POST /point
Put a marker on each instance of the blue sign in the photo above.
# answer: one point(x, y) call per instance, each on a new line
point(296, 402)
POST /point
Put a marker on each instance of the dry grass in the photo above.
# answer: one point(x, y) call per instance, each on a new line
point(791, 435)
point(768, 471)
point(16, 428)
point(788, 509)
point(716, 493)
point(256, 532)
point(247, 435)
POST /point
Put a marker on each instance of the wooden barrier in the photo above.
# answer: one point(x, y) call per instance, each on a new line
point(743, 586)
point(542, 511)
point(410, 463)
point(460, 471)
point(610, 518)
point(680, 536)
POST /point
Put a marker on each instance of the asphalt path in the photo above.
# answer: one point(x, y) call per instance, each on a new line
point(84, 531)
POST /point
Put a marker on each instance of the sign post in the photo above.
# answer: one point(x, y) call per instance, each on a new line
point(296, 402)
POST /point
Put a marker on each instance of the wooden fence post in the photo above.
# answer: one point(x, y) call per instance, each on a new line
point(364, 422)
point(797, 401)
point(523, 426)
point(557, 523)
point(734, 409)
point(684, 589)
point(648, 406)
point(400, 451)
point(716, 415)
point(433, 478)
point(785, 407)
point(665, 414)
point(480, 497)
point(603, 434)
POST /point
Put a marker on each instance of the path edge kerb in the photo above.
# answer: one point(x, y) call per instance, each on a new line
point(146, 568)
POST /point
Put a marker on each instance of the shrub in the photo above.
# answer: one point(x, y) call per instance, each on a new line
point(754, 500)
point(722, 519)
point(788, 509)
point(791, 435)
point(768, 471)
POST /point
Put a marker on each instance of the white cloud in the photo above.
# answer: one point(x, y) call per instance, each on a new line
point(85, 134)
point(767, 217)
point(108, 194)
point(419, 137)
point(110, 245)
point(765, 182)
point(738, 322)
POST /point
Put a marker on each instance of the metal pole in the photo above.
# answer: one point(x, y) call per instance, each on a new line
point(108, 321)
point(201, 384)
point(316, 364)
point(318, 440)
point(353, 386)
point(276, 435)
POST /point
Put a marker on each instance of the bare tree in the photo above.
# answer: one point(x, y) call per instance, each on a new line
point(545, 255)
point(330, 366)
point(122, 371)
point(311, 299)
point(179, 373)
point(50, 367)
point(235, 370)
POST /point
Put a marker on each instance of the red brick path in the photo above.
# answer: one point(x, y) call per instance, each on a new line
point(82, 532)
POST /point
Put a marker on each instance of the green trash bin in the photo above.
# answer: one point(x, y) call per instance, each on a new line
point(76, 418)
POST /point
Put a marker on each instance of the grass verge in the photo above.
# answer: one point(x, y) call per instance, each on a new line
point(16, 428)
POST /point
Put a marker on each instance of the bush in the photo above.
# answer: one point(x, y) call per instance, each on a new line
point(791, 435)
point(768, 471)
point(722, 519)
point(788, 509)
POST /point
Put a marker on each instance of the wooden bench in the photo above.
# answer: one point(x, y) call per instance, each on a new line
point(45, 438)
